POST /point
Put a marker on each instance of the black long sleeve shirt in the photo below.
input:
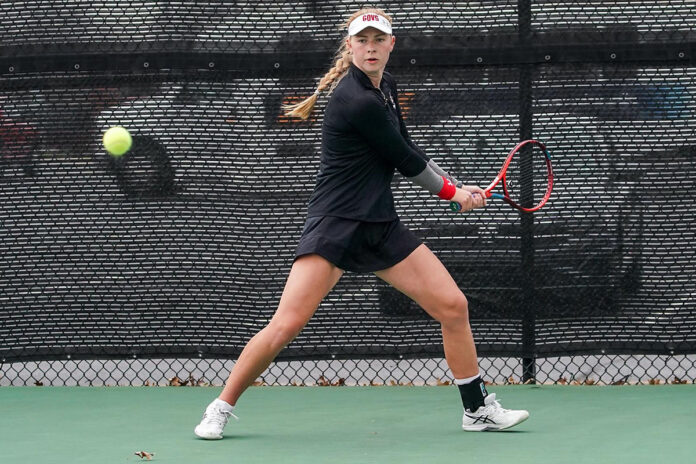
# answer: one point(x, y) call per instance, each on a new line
point(364, 139)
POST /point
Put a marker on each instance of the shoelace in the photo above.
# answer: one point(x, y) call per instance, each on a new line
point(218, 417)
point(495, 406)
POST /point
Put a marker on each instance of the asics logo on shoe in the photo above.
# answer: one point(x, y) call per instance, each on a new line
point(481, 419)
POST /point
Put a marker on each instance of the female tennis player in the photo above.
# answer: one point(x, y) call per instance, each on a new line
point(352, 226)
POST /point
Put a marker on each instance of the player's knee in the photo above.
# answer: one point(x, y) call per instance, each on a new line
point(285, 331)
point(454, 309)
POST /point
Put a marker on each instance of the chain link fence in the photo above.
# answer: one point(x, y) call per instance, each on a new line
point(566, 370)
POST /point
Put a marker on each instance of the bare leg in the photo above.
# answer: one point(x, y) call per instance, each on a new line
point(311, 279)
point(424, 279)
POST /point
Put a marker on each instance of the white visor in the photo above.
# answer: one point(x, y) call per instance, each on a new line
point(369, 20)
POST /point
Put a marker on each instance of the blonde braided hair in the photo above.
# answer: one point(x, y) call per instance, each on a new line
point(343, 59)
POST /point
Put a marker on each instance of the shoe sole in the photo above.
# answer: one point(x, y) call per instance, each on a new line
point(206, 437)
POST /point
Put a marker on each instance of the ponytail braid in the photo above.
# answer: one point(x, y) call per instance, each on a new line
point(330, 80)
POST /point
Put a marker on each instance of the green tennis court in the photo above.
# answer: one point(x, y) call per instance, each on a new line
point(631, 424)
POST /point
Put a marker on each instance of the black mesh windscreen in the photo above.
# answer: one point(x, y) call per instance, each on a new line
point(181, 247)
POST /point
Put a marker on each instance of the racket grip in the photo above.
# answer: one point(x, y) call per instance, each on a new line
point(456, 207)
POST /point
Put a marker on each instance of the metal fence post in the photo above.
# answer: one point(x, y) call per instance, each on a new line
point(524, 10)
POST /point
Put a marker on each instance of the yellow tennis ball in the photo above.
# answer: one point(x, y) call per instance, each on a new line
point(117, 140)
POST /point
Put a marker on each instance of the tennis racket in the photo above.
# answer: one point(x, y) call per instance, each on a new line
point(525, 172)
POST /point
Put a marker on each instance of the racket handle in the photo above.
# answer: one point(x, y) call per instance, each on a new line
point(456, 207)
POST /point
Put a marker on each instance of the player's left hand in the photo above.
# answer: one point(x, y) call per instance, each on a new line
point(475, 189)
point(479, 196)
point(469, 200)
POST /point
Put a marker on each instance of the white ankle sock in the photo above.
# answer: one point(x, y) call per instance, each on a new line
point(466, 380)
point(224, 405)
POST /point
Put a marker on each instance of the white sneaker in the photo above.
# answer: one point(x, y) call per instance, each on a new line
point(492, 416)
point(214, 420)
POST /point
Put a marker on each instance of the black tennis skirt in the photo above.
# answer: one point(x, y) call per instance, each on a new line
point(357, 246)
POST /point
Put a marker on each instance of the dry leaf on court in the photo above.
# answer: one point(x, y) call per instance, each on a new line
point(144, 455)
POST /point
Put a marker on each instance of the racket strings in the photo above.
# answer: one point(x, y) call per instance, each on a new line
point(527, 177)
